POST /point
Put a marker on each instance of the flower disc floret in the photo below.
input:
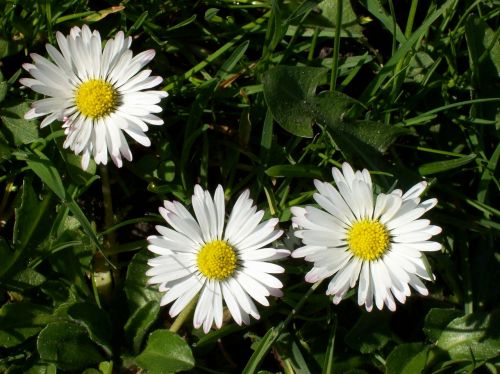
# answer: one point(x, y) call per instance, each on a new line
point(96, 98)
point(217, 260)
point(368, 239)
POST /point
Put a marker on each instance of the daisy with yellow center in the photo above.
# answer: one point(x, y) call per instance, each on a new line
point(380, 242)
point(221, 262)
point(98, 93)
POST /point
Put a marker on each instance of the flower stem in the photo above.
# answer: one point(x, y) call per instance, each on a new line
point(108, 206)
point(183, 316)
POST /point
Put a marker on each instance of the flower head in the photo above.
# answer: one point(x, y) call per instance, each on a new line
point(378, 241)
point(218, 261)
point(97, 93)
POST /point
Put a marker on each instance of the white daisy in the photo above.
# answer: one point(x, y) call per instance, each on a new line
point(380, 241)
point(201, 256)
point(97, 93)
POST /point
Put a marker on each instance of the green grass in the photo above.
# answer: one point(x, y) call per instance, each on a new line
point(263, 95)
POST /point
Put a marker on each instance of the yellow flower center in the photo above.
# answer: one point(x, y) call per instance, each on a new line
point(368, 239)
point(217, 260)
point(96, 98)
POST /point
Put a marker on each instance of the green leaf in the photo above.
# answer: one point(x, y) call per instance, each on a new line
point(27, 278)
point(76, 173)
point(301, 171)
point(484, 56)
point(3, 90)
point(409, 358)
point(21, 130)
point(29, 217)
point(472, 337)
point(165, 352)
point(262, 348)
point(46, 171)
point(287, 90)
point(68, 346)
point(39, 368)
point(19, 321)
point(356, 135)
point(349, 18)
point(290, 96)
point(96, 321)
point(232, 60)
point(140, 322)
point(440, 166)
point(136, 282)
point(370, 333)
point(437, 320)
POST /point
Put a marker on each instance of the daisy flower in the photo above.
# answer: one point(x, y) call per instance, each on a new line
point(380, 241)
point(201, 255)
point(97, 93)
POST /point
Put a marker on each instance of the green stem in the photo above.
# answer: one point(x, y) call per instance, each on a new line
point(310, 55)
point(108, 206)
point(183, 316)
point(336, 46)
point(411, 18)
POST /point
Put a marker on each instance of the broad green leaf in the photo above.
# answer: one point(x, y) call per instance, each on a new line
point(96, 321)
point(136, 287)
point(287, 90)
point(29, 217)
point(440, 166)
point(301, 171)
point(68, 346)
point(290, 96)
point(27, 278)
point(472, 337)
point(370, 333)
point(23, 131)
point(46, 171)
point(349, 19)
point(39, 368)
point(106, 367)
point(76, 173)
point(408, 358)
point(19, 321)
point(139, 323)
point(437, 320)
point(165, 352)
point(357, 135)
